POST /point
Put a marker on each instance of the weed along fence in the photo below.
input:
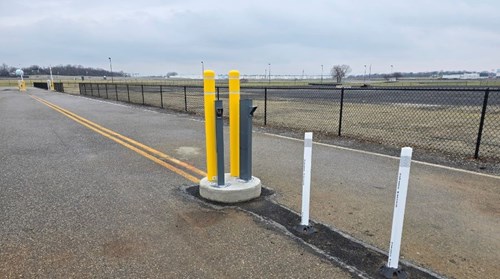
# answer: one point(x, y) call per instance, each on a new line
point(458, 121)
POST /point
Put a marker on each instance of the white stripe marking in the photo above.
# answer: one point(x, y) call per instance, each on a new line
point(389, 156)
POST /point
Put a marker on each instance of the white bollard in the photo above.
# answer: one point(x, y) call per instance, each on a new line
point(306, 179)
point(398, 216)
point(306, 184)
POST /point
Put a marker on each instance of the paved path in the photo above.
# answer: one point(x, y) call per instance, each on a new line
point(78, 202)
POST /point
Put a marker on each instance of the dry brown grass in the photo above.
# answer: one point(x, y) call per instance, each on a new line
point(448, 129)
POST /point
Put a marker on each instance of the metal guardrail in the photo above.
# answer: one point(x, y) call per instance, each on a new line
point(452, 120)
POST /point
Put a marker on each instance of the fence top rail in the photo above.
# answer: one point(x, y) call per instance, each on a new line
point(327, 88)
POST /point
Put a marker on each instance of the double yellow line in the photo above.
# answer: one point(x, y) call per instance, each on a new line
point(179, 167)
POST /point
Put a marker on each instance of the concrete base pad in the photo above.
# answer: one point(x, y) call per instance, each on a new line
point(235, 190)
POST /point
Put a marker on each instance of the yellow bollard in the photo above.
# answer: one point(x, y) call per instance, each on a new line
point(22, 85)
point(234, 122)
point(209, 99)
point(51, 85)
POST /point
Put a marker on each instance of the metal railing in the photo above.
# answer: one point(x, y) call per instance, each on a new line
point(456, 121)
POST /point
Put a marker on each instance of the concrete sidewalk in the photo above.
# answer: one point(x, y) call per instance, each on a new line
point(452, 221)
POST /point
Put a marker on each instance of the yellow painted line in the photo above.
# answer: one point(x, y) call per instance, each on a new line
point(133, 148)
point(131, 141)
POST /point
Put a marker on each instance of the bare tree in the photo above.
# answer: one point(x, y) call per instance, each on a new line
point(338, 72)
point(171, 74)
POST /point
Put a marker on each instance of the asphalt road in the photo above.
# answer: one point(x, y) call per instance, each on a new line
point(74, 204)
point(78, 203)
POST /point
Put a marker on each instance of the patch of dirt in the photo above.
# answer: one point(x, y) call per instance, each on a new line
point(121, 248)
point(201, 219)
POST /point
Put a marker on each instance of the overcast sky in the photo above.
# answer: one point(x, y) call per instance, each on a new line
point(155, 37)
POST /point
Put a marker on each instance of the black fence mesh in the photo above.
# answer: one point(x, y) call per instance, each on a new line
point(435, 120)
point(490, 141)
point(152, 96)
point(173, 98)
point(446, 120)
point(315, 110)
point(258, 99)
point(194, 99)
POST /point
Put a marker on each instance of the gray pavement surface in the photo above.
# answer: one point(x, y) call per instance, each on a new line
point(72, 195)
point(74, 204)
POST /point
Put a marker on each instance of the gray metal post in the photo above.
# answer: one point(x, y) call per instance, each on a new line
point(219, 138)
point(246, 114)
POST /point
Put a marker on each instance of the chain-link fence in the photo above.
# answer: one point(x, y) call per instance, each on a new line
point(458, 121)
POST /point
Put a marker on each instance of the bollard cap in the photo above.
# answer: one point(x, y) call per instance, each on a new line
point(234, 74)
point(208, 74)
point(406, 151)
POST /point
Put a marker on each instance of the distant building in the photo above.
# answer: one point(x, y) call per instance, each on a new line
point(457, 76)
point(462, 76)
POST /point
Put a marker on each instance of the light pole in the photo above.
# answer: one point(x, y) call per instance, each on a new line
point(269, 64)
point(202, 69)
point(322, 74)
point(364, 75)
point(111, 68)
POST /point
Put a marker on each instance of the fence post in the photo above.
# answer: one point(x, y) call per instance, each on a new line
point(128, 94)
point(265, 106)
point(98, 91)
point(106, 85)
point(161, 96)
point(341, 111)
point(481, 122)
point(116, 92)
point(91, 90)
point(142, 92)
point(218, 93)
point(185, 100)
